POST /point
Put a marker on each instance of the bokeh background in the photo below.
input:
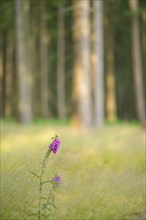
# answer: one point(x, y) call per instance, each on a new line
point(76, 69)
point(78, 60)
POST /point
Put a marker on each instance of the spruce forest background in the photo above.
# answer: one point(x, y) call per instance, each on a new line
point(79, 63)
point(79, 60)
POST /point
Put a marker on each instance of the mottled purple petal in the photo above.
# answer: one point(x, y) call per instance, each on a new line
point(57, 180)
point(55, 145)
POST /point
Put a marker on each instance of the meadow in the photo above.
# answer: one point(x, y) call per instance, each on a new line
point(102, 170)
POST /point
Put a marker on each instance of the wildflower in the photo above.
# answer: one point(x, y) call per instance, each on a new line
point(57, 180)
point(55, 145)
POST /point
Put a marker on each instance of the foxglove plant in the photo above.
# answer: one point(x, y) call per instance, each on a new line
point(44, 208)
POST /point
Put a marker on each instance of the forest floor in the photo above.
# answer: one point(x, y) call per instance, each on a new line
point(102, 170)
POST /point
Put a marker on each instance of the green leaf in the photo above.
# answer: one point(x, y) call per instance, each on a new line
point(43, 198)
point(29, 204)
point(32, 214)
point(56, 136)
point(35, 174)
point(48, 181)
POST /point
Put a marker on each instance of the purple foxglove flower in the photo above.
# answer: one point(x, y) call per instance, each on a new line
point(55, 145)
point(57, 180)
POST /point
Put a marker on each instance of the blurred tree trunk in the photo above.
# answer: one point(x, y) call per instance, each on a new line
point(109, 62)
point(1, 76)
point(34, 42)
point(61, 66)
point(8, 76)
point(29, 39)
point(24, 80)
point(14, 82)
point(44, 70)
point(81, 69)
point(144, 46)
point(98, 69)
point(37, 85)
point(4, 54)
point(137, 62)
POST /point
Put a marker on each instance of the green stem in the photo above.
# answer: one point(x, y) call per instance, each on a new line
point(41, 182)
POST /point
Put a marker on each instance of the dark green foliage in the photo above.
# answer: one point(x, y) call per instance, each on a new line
point(125, 95)
point(124, 80)
point(6, 14)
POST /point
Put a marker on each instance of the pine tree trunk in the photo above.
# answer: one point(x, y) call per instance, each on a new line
point(99, 63)
point(44, 67)
point(144, 46)
point(81, 70)
point(29, 39)
point(35, 41)
point(137, 62)
point(1, 75)
point(24, 80)
point(61, 66)
point(8, 81)
point(4, 55)
point(109, 56)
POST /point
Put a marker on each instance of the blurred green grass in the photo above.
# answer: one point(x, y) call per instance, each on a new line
point(102, 170)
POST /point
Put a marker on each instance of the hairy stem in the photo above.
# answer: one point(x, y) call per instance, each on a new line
point(41, 182)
